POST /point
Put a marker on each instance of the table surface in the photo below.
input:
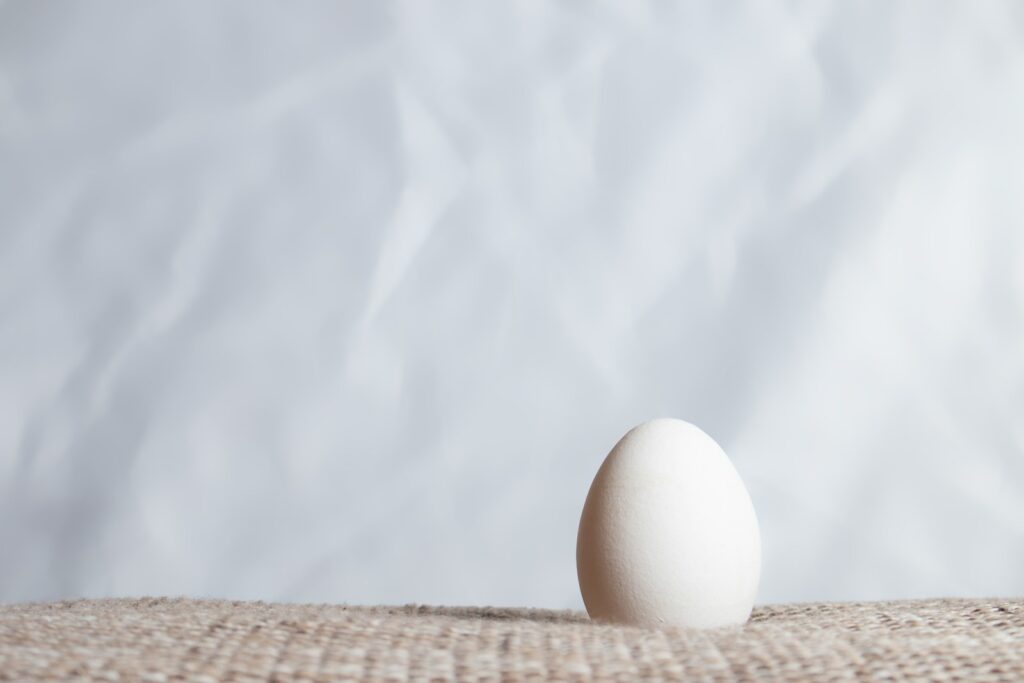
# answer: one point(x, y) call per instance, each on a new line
point(163, 639)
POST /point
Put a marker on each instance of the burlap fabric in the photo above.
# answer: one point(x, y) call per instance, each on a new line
point(199, 640)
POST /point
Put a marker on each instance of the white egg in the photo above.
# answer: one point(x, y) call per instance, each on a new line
point(668, 534)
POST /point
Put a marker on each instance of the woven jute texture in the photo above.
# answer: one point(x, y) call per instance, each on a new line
point(198, 640)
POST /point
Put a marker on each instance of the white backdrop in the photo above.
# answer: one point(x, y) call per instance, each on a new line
point(347, 301)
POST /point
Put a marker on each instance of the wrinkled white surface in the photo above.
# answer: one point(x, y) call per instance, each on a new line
point(668, 535)
point(347, 301)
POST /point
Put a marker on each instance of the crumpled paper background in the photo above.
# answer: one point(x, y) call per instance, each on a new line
point(347, 301)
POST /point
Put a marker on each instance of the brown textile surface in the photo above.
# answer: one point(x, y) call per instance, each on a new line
point(203, 640)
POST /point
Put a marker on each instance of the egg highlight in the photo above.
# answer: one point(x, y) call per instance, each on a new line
point(668, 534)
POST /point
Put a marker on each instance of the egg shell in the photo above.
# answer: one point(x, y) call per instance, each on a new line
point(668, 535)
